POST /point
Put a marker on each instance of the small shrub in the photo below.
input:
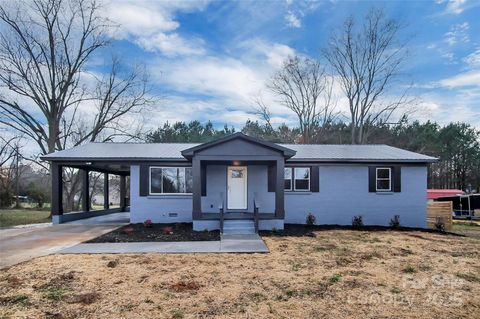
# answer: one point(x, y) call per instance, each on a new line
point(311, 219)
point(148, 300)
point(112, 263)
point(128, 231)
point(395, 221)
point(357, 221)
point(167, 230)
point(205, 230)
point(274, 230)
point(439, 224)
point(409, 270)
point(148, 223)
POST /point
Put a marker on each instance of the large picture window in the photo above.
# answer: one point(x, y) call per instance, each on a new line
point(302, 178)
point(171, 180)
point(384, 179)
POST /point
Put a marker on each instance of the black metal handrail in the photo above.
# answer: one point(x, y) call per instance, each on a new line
point(255, 215)
point(222, 217)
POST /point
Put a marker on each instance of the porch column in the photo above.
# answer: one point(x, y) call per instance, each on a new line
point(56, 207)
point(85, 191)
point(106, 197)
point(197, 189)
point(279, 188)
point(123, 193)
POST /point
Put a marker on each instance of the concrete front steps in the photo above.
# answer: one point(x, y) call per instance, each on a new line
point(238, 227)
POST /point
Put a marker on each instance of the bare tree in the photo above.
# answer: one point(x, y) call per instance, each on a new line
point(7, 150)
point(45, 84)
point(303, 86)
point(44, 48)
point(367, 61)
point(10, 157)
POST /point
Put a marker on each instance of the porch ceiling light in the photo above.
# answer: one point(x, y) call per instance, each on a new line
point(236, 163)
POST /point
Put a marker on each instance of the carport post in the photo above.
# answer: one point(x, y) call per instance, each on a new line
point(56, 207)
point(85, 191)
point(123, 193)
point(280, 188)
point(106, 199)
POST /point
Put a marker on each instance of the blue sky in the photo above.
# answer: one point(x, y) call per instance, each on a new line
point(209, 60)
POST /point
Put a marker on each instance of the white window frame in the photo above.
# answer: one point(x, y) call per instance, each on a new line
point(389, 179)
point(291, 179)
point(162, 167)
point(295, 178)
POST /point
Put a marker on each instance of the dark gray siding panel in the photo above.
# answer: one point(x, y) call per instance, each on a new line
point(271, 178)
point(144, 180)
point(314, 179)
point(372, 179)
point(203, 174)
point(397, 179)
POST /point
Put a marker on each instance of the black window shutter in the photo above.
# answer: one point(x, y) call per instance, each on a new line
point(144, 180)
point(397, 179)
point(203, 174)
point(271, 178)
point(372, 176)
point(314, 179)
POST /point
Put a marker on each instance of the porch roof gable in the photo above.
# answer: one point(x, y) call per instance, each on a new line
point(190, 152)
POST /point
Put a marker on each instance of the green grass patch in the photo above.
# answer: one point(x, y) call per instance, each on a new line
point(24, 216)
point(20, 300)
point(469, 277)
point(54, 293)
point(335, 278)
point(409, 270)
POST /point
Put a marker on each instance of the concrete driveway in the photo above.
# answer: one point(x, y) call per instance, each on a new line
point(21, 244)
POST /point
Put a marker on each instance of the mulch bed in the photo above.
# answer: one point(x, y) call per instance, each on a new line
point(297, 230)
point(156, 232)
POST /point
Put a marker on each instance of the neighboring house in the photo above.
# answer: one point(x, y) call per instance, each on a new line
point(175, 182)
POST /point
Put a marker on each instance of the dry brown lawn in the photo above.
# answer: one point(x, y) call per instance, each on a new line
point(336, 274)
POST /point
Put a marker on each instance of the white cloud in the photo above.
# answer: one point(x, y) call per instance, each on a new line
point(259, 49)
point(292, 20)
point(152, 24)
point(222, 87)
point(172, 44)
point(467, 79)
point(473, 59)
point(458, 6)
point(458, 33)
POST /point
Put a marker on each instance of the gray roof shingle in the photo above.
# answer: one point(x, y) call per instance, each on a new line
point(172, 151)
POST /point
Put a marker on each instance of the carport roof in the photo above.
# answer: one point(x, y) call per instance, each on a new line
point(173, 151)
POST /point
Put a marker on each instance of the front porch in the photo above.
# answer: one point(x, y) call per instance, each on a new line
point(238, 178)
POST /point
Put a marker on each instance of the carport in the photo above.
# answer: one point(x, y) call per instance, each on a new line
point(63, 159)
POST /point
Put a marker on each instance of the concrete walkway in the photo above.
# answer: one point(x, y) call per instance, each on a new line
point(21, 244)
point(227, 244)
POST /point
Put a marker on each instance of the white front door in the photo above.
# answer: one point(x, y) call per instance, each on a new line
point(237, 187)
